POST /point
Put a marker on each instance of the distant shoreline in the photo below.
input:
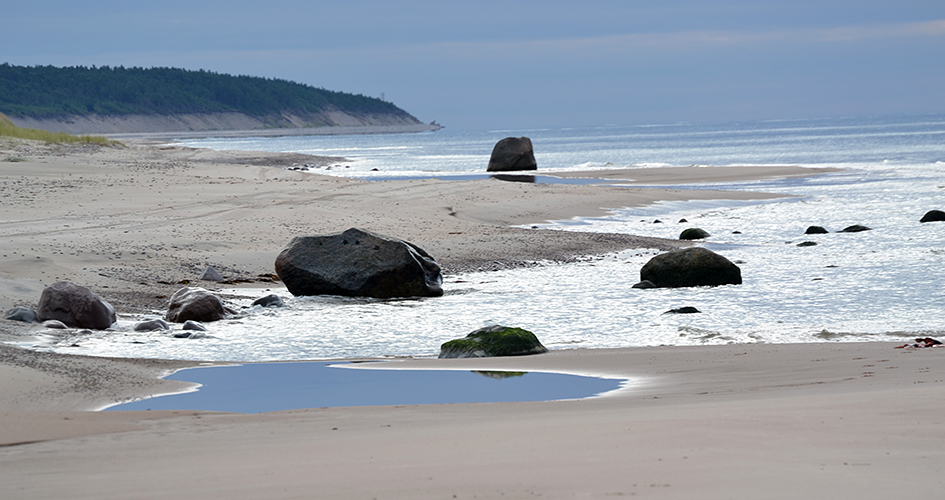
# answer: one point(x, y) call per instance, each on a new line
point(201, 125)
point(280, 132)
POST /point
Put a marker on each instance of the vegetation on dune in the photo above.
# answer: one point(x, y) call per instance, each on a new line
point(9, 129)
point(51, 92)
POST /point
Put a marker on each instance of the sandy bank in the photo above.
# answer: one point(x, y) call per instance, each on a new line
point(852, 420)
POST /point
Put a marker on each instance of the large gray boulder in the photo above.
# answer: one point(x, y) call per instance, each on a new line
point(75, 306)
point(694, 266)
point(512, 153)
point(197, 304)
point(495, 340)
point(358, 263)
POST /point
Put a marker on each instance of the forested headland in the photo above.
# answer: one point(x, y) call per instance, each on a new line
point(78, 94)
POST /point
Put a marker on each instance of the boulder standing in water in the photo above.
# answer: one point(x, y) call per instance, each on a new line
point(512, 153)
point(358, 263)
point(76, 306)
point(491, 341)
point(191, 303)
point(694, 233)
point(690, 267)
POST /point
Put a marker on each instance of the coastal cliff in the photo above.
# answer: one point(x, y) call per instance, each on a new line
point(120, 100)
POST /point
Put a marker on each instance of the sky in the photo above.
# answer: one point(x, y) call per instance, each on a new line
point(488, 65)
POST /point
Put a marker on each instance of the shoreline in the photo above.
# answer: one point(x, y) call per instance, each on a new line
point(726, 421)
point(275, 132)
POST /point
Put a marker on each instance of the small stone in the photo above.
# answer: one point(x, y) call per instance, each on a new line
point(22, 313)
point(193, 325)
point(211, 274)
point(683, 310)
point(152, 325)
point(271, 300)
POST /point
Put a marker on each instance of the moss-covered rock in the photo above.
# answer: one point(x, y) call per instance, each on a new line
point(495, 340)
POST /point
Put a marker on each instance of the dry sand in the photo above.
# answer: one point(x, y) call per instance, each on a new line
point(831, 420)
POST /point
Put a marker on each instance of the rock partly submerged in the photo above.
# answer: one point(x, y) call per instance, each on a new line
point(694, 233)
point(512, 154)
point(694, 266)
point(933, 216)
point(358, 263)
point(193, 303)
point(495, 340)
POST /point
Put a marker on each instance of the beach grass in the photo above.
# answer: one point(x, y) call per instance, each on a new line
point(9, 129)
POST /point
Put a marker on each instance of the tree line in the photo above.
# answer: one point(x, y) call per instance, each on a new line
point(50, 92)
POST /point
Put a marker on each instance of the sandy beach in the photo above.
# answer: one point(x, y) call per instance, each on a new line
point(837, 420)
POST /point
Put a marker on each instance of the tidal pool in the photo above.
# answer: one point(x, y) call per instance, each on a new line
point(263, 387)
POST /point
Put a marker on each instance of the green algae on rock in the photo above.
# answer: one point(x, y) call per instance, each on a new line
point(495, 340)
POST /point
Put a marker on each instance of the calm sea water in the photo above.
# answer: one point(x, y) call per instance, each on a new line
point(883, 284)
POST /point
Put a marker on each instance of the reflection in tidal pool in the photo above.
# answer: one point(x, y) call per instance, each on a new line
point(262, 387)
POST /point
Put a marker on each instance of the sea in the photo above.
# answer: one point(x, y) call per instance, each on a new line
point(884, 284)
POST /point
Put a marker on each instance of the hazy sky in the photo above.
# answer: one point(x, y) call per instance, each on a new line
point(495, 65)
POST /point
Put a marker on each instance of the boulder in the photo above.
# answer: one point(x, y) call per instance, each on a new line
point(693, 233)
point(358, 263)
point(492, 341)
point(75, 306)
point(690, 267)
point(22, 313)
point(196, 304)
point(193, 326)
point(644, 284)
point(856, 228)
point(512, 153)
point(933, 216)
point(271, 300)
point(152, 326)
point(816, 230)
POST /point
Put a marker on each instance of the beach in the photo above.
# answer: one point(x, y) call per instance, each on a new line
point(138, 222)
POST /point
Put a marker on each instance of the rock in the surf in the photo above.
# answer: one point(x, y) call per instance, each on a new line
point(495, 340)
point(358, 263)
point(153, 325)
point(75, 306)
point(192, 303)
point(816, 230)
point(512, 153)
point(933, 216)
point(690, 267)
point(271, 300)
point(693, 233)
point(856, 228)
